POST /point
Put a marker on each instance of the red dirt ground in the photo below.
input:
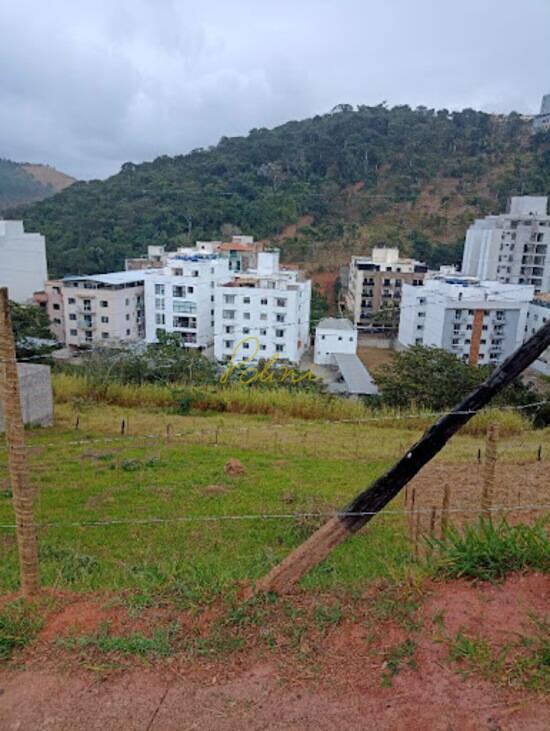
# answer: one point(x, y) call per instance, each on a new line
point(333, 681)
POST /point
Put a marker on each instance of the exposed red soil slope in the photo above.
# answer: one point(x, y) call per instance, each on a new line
point(332, 680)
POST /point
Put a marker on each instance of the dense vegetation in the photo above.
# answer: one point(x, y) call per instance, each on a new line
point(348, 180)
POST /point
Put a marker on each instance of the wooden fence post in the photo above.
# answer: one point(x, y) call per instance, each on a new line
point(17, 456)
point(371, 501)
point(489, 469)
point(445, 510)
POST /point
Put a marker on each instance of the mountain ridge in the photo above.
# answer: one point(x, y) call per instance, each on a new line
point(23, 182)
point(359, 177)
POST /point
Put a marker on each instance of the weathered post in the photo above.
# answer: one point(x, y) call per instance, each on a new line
point(17, 456)
point(489, 469)
point(370, 502)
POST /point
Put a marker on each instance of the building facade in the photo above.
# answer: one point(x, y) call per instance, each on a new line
point(537, 315)
point(23, 268)
point(104, 309)
point(541, 121)
point(180, 297)
point(333, 335)
point(512, 248)
point(479, 321)
point(263, 313)
point(376, 282)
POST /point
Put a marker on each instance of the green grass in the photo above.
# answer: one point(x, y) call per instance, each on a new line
point(159, 644)
point(522, 663)
point(396, 658)
point(191, 562)
point(92, 475)
point(489, 551)
point(20, 622)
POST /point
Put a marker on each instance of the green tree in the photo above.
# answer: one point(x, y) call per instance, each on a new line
point(30, 326)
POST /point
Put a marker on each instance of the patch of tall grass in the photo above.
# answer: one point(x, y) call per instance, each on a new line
point(489, 551)
point(279, 402)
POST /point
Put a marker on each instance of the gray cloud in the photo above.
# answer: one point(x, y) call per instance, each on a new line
point(86, 85)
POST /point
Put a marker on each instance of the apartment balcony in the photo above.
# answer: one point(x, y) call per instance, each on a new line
point(86, 325)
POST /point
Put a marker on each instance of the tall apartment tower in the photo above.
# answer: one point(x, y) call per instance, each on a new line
point(541, 121)
point(23, 267)
point(512, 248)
point(376, 282)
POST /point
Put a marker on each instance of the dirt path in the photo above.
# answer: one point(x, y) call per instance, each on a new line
point(332, 681)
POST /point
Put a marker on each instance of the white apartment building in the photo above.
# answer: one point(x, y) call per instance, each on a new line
point(541, 121)
point(513, 248)
point(334, 335)
point(375, 283)
point(180, 297)
point(103, 309)
point(23, 268)
point(263, 313)
point(537, 315)
point(479, 321)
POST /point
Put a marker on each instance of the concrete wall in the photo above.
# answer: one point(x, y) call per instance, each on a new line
point(35, 387)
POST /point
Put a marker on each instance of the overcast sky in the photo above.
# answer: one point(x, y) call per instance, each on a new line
point(87, 84)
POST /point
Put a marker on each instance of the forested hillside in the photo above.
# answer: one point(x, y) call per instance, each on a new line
point(332, 184)
point(25, 183)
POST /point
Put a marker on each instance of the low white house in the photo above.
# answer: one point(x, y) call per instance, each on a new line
point(23, 267)
point(333, 335)
point(479, 321)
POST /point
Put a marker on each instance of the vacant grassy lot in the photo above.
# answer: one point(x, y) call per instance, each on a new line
point(153, 511)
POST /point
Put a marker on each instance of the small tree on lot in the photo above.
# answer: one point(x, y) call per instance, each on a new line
point(30, 326)
point(434, 379)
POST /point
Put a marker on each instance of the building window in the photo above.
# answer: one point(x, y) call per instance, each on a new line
point(228, 314)
point(72, 316)
point(279, 317)
point(103, 303)
point(104, 335)
point(246, 300)
point(246, 346)
point(178, 291)
point(246, 315)
point(71, 300)
point(128, 317)
point(263, 301)
point(159, 289)
point(127, 302)
point(263, 315)
point(279, 348)
point(246, 330)
point(281, 302)
point(263, 331)
point(127, 332)
point(160, 318)
point(56, 307)
point(195, 272)
point(228, 343)
point(190, 290)
point(229, 299)
point(159, 303)
point(279, 333)
point(104, 319)
point(74, 332)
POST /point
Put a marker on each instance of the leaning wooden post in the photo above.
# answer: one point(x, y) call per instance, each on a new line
point(489, 469)
point(371, 501)
point(17, 454)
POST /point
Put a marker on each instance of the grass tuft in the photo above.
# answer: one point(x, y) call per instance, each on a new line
point(19, 624)
point(489, 551)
